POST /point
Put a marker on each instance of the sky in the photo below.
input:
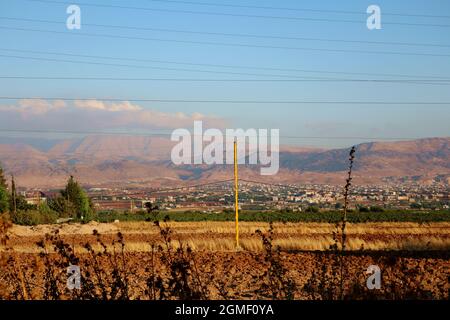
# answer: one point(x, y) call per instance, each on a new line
point(227, 40)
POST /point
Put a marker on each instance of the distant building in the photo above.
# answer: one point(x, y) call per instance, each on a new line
point(36, 198)
point(114, 205)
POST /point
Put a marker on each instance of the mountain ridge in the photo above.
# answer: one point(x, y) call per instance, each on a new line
point(142, 161)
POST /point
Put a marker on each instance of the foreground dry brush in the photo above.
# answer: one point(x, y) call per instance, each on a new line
point(171, 269)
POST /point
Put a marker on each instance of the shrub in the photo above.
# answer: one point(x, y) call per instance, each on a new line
point(376, 209)
point(5, 224)
point(312, 209)
point(34, 217)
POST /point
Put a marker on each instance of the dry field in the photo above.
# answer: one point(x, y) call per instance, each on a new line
point(219, 236)
point(197, 260)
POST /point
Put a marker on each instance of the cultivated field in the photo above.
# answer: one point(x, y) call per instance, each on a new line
point(198, 260)
point(219, 236)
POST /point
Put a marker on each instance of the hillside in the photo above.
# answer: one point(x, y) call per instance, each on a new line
point(145, 161)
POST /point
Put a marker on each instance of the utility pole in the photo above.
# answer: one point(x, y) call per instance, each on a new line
point(236, 194)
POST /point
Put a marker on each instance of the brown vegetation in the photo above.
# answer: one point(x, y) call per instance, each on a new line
point(219, 236)
point(167, 267)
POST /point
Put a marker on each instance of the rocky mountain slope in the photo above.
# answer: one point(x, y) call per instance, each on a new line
point(145, 161)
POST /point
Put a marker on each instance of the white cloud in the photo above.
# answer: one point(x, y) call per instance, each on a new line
point(29, 107)
point(95, 115)
point(106, 106)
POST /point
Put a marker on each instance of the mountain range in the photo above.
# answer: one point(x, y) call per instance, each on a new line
point(142, 161)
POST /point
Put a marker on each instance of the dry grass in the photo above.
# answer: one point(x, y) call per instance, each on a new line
point(219, 236)
point(297, 228)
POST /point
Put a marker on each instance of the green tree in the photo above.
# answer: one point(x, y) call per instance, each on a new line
point(4, 197)
point(75, 195)
point(13, 204)
point(2, 179)
point(64, 208)
point(376, 209)
point(18, 202)
point(4, 200)
point(416, 206)
point(363, 209)
point(22, 204)
point(338, 206)
point(312, 209)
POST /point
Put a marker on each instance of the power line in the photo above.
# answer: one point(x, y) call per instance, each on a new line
point(166, 134)
point(442, 81)
point(419, 81)
point(218, 65)
point(234, 34)
point(242, 45)
point(402, 81)
point(296, 9)
point(138, 60)
point(269, 184)
point(139, 66)
point(192, 186)
point(233, 101)
point(236, 14)
point(226, 181)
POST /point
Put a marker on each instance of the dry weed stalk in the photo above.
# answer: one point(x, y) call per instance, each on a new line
point(184, 279)
point(276, 282)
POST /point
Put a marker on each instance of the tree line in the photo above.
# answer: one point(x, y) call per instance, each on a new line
point(71, 202)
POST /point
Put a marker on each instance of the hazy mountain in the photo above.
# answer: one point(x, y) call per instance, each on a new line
point(145, 161)
point(113, 148)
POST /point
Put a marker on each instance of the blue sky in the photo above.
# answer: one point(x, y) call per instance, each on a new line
point(304, 120)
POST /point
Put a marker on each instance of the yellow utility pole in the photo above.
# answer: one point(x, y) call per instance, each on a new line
point(236, 203)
